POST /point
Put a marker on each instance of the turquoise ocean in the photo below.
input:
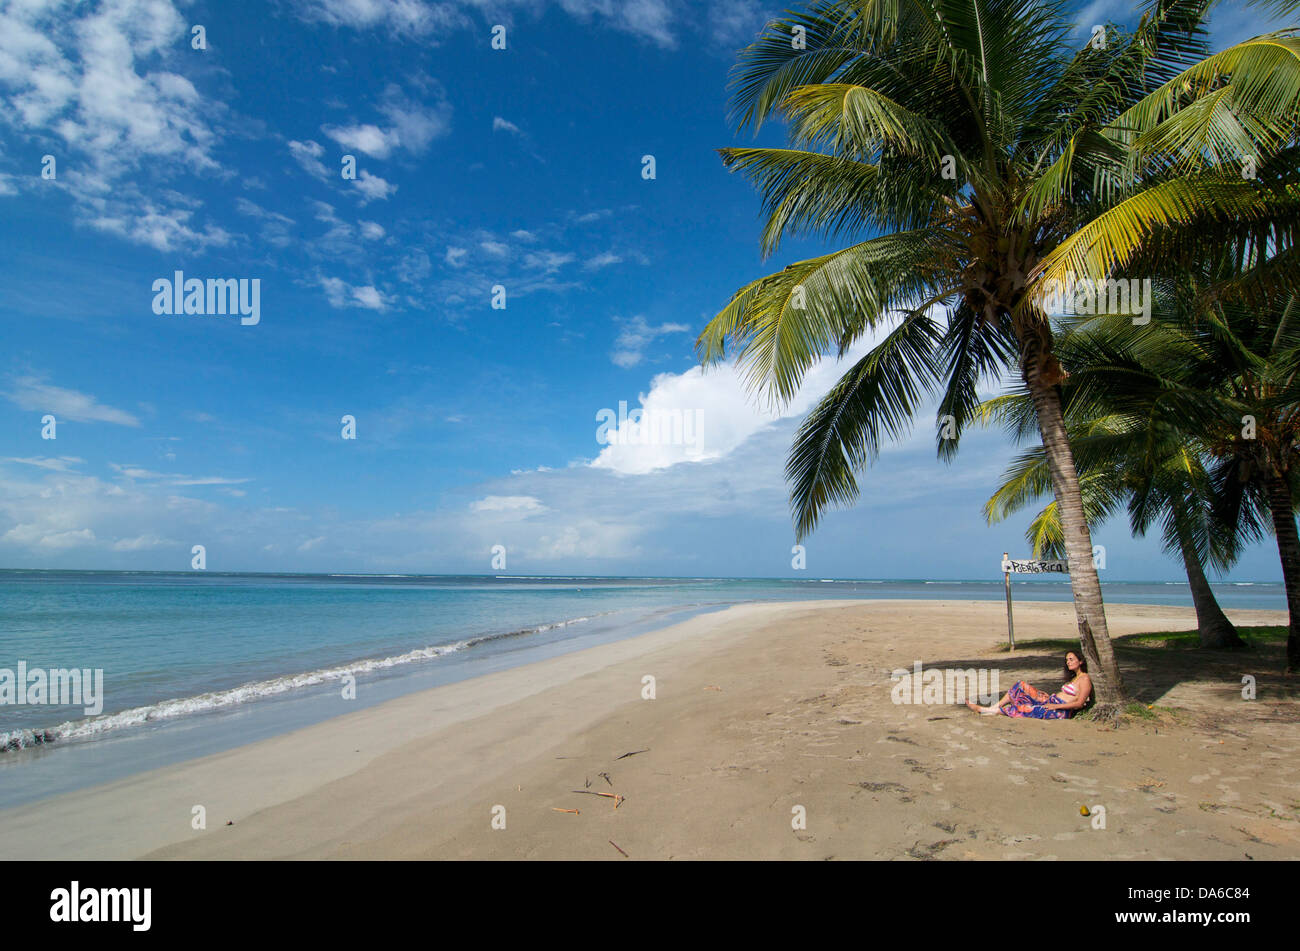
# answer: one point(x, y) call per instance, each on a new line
point(198, 662)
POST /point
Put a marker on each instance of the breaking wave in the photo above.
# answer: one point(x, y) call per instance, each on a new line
point(90, 727)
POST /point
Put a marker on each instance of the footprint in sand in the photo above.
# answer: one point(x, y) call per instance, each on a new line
point(1226, 794)
point(1018, 839)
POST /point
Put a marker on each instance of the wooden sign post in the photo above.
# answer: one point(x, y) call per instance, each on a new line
point(1025, 567)
point(1006, 579)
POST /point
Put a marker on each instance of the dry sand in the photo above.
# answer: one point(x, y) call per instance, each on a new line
point(758, 710)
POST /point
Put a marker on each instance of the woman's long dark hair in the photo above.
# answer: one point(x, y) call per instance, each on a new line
point(1083, 664)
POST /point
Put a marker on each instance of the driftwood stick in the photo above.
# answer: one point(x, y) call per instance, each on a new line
point(618, 800)
point(611, 842)
point(634, 752)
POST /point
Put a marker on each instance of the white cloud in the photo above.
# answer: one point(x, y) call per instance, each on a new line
point(136, 472)
point(34, 536)
point(308, 155)
point(162, 228)
point(371, 230)
point(455, 256)
point(93, 77)
point(372, 186)
point(254, 210)
point(87, 78)
point(401, 18)
point(61, 464)
point(736, 22)
point(514, 504)
point(504, 125)
point(636, 335)
point(369, 298)
point(206, 480)
point(32, 393)
point(599, 261)
point(140, 474)
point(427, 20)
point(63, 512)
point(141, 543)
point(367, 138)
point(709, 407)
point(1100, 12)
point(649, 19)
point(547, 261)
point(342, 294)
point(410, 126)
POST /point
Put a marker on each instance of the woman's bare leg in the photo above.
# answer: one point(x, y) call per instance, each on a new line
point(995, 708)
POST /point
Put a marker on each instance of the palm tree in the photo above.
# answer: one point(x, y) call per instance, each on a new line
point(1153, 469)
point(1221, 376)
point(972, 139)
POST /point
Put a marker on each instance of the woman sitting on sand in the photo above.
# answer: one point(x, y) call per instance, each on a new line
point(1022, 700)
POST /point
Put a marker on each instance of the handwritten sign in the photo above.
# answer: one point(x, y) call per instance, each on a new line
point(1035, 567)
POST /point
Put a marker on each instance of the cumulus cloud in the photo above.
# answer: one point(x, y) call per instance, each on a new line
point(94, 77)
point(409, 126)
point(155, 225)
point(372, 187)
point(702, 415)
point(342, 294)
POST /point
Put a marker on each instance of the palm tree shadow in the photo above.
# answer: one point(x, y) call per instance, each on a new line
point(1150, 674)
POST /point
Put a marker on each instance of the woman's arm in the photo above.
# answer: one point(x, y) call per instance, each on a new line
point(1085, 690)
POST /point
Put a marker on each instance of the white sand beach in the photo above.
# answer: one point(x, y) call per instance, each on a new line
point(758, 710)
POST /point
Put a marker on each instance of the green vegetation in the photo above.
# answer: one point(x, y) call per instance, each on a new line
point(976, 156)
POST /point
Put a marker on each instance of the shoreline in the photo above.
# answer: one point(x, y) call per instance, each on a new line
point(748, 700)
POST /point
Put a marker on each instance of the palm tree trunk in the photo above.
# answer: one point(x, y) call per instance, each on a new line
point(1213, 626)
point(1088, 608)
point(1282, 507)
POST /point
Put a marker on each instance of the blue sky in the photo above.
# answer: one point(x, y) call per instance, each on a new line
point(475, 426)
